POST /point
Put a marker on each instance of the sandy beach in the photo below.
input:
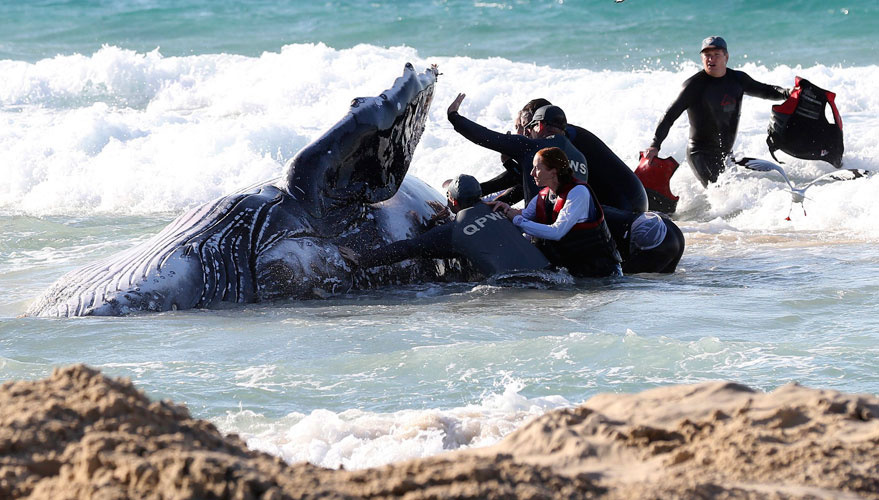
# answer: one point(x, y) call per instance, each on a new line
point(80, 434)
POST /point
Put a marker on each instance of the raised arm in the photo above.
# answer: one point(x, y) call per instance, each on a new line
point(508, 144)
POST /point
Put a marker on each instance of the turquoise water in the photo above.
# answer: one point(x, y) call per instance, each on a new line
point(117, 116)
point(597, 34)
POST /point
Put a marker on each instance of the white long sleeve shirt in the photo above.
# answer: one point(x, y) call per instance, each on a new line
point(578, 207)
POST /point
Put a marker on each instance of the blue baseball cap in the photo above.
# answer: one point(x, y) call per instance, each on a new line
point(713, 42)
point(464, 188)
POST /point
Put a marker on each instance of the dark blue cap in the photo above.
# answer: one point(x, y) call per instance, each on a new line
point(464, 188)
point(713, 42)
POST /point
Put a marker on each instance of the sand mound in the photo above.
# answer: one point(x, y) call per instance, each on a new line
point(713, 440)
point(79, 434)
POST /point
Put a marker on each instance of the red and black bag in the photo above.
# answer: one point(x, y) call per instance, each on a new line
point(655, 174)
point(800, 128)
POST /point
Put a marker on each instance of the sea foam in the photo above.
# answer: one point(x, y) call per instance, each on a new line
point(125, 132)
point(356, 439)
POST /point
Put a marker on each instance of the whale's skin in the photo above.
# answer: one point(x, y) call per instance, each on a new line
point(279, 239)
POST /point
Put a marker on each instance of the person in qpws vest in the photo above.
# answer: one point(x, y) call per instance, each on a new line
point(485, 238)
point(648, 242)
point(547, 129)
point(566, 220)
point(613, 182)
point(713, 101)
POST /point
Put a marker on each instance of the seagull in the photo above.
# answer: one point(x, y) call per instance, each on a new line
point(798, 194)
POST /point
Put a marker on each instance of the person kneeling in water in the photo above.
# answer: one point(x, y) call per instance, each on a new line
point(610, 178)
point(485, 238)
point(566, 219)
point(648, 242)
point(547, 129)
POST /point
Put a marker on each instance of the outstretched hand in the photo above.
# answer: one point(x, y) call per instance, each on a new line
point(499, 206)
point(650, 153)
point(440, 212)
point(453, 108)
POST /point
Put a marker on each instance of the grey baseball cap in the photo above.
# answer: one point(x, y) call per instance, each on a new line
point(552, 115)
point(464, 188)
point(713, 42)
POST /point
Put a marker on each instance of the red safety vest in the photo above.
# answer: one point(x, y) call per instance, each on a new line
point(547, 216)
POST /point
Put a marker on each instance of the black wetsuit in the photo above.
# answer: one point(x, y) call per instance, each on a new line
point(487, 239)
point(511, 176)
point(614, 183)
point(521, 149)
point(713, 106)
point(663, 258)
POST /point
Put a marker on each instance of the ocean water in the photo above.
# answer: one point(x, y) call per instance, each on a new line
point(117, 116)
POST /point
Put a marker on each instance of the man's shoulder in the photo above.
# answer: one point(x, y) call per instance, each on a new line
point(698, 77)
point(476, 208)
point(693, 86)
point(556, 140)
point(545, 142)
point(737, 74)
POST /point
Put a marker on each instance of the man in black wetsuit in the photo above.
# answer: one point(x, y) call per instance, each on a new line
point(509, 182)
point(614, 183)
point(486, 238)
point(546, 129)
point(713, 100)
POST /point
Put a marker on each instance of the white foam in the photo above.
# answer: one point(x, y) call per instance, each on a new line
point(122, 132)
point(357, 439)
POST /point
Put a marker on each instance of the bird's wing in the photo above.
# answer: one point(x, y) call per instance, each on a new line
point(763, 166)
point(845, 174)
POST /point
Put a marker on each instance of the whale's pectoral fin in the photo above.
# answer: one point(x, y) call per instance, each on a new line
point(364, 157)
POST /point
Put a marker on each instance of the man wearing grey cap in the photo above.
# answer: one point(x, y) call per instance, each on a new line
point(546, 129)
point(713, 101)
point(490, 242)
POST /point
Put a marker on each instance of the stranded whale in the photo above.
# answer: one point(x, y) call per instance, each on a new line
point(279, 239)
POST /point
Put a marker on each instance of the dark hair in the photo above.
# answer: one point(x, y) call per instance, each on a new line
point(557, 160)
point(535, 104)
point(532, 106)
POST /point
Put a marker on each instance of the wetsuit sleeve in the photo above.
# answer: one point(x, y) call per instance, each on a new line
point(576, 209)
point(762, 90)
point(674, 112)
point(513, 195)
point(505, 180)
point(508, 144)
point(435, 244)
point(511, 165)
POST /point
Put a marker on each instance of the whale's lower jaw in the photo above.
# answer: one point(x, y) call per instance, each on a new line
point(297, 269)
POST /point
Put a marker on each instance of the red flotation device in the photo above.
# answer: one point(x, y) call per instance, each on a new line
point(655, 175)
point(799, 127)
